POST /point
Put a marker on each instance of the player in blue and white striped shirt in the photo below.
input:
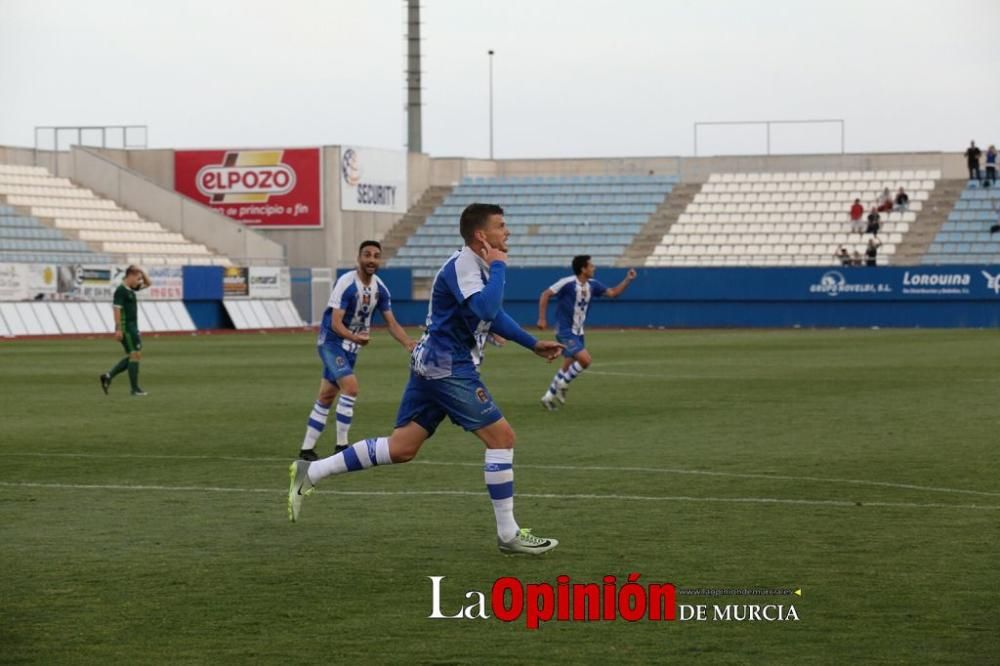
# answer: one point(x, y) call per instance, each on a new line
point(464, 310)
point(573, 296)
point(344, 330)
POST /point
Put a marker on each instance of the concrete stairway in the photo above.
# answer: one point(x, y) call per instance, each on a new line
point(413, 220)
point(659, 223)
point(929, 221)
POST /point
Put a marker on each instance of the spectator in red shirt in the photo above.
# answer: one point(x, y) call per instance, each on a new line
point(857, 210)
point(885, 201)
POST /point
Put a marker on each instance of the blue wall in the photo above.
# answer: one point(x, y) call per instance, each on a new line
point(202, 283)
point(203, 297)
point(918, 296)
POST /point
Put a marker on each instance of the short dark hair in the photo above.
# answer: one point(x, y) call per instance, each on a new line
point(369, 243)
point(580, 262)
point(132, 270)
point(474, 218)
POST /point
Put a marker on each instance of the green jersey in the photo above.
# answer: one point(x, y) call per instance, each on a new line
point(125, 299)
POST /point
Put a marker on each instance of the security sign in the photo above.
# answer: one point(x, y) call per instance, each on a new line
point(265, 188)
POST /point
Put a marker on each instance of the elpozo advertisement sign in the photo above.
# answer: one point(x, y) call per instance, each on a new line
point(279, 188)
point(372, 179)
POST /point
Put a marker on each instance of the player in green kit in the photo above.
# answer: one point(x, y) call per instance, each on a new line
point(126, 312)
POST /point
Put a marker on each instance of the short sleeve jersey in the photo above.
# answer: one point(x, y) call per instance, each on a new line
point(359, 302)
point(125, 299)
point(572, 303)
point(452, 344)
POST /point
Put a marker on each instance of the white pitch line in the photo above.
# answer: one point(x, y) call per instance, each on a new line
point(467, 493)
point(565, 468)
point(633, 374)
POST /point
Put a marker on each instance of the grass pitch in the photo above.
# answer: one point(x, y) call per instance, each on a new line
point(858, 466)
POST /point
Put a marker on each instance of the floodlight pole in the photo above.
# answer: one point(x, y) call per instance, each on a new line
point(490, 53)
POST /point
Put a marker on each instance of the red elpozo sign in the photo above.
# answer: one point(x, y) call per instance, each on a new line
point(262, 188)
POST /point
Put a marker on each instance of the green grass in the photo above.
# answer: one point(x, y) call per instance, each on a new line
point(901, 569)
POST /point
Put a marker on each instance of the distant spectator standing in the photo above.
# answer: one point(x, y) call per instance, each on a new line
point(843, 256)
point(857, 210)
point(874, 222)
point(991, 165)
point(856, 259)
point(885, 201)
point(902, 200)
point(996, 209)
point(972, 154)
point(871, 252)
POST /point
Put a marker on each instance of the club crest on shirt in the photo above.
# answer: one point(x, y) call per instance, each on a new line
point(340, 361)
point(481, 395)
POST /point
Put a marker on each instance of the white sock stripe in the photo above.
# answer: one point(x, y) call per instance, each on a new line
point(347, 400)
point(318, 416)
point(345, 411)
point(503, 510)
point(361, 451)
point(323, 409)
point(576, 367)
point(382, 451)
point(495, 478)
point(499, 455)
point(326, 467)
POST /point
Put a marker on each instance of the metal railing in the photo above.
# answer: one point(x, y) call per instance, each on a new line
point(81, 139)
point(767, 124)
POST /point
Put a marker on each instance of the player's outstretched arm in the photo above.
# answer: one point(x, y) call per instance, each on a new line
point(543, 306)
point(548, 349)
point(397, 332)
point(615, 291)
point(505, 325)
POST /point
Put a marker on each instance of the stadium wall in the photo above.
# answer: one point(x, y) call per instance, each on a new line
point(932, 297)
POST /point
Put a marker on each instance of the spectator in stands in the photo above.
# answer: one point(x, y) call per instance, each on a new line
point(902, 200)
point(843, 256)
point(857, 210)
point(885, 201)
point(856, 259)
point(996, 209)
point(991, 165)
point(972, 154)
point(871, 252)
point(874, 222)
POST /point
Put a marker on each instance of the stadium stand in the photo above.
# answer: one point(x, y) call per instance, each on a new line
point(786, 219)
point(49, 219)
point(24, 239)
point(965, 236)
point(551, 218)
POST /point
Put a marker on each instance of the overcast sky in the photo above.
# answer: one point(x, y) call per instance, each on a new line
point(573, 78)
